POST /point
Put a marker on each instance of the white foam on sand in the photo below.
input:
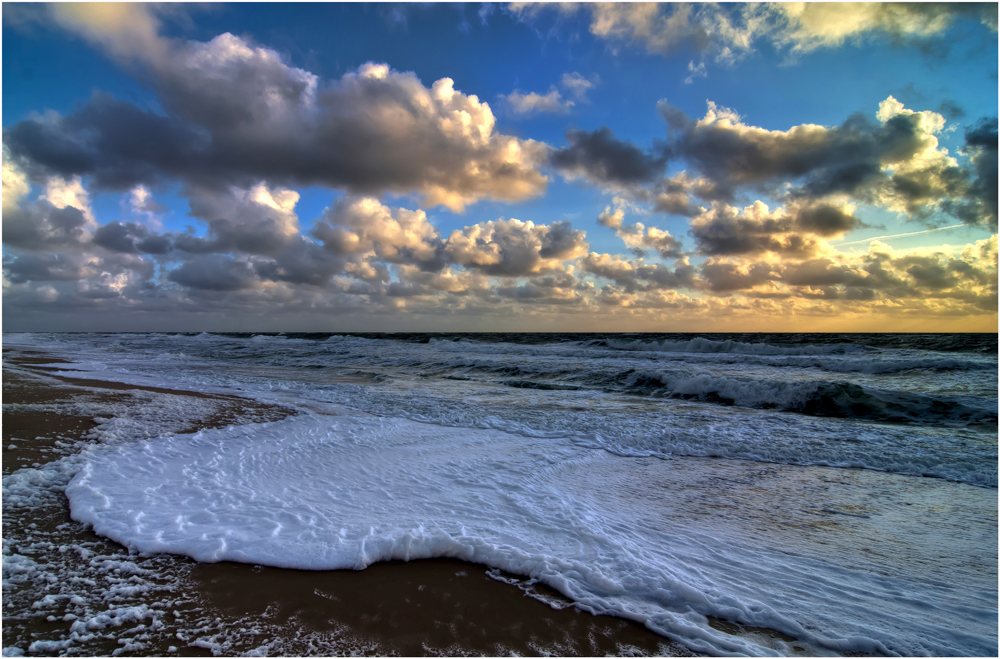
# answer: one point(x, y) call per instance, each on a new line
point(664, 542)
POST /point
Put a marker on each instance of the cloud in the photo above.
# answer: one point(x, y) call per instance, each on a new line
point(645, 24)
point(633, 275)
point(120, 237)
point(805, 27)
point(729, 32)
point(142, 202)
point(827, 220)
point(126, 30)
point(512, 248)
point(896, 163)
point(15, 183)
point(237, 114)
point(578, 86)
point(532, 103)
point(926, 281)
point(794, 233)
point(552, 102)
point(48, 267)
point(673, 195)
point(215, 272)
point(695, 71)
point(258, 220)
point(485, 10)
point(60, 217)
point(726, 230)
point(366, 227)
point(980, 203)
point(605, 160)
point(638, 237)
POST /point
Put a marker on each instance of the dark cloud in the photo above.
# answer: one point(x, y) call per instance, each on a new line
point(40, 225)
point(236, 115)
point(559, 288)
point(821, 272)
point(604, 159)
point(254, 221)
point(826, 220)
point(54, 266)
point(732, 154)
point(983, 140)
point(114, 142)
point(728, 277)
point(119, 237)
point(156, 244)
point(635, 276)
point(895, 163)
point(302, 262)
point(951, 110)
point(724, 230)
point(215, 272)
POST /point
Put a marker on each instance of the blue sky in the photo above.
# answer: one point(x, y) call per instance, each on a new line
point(150, 166)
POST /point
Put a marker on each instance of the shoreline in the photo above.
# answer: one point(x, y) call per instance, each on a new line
point(417, 608)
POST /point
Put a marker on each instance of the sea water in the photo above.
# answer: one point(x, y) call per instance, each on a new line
point(840, 489)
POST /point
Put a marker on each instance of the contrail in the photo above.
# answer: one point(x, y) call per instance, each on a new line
point(899, 235)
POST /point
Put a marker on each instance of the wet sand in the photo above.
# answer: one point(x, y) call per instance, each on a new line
point(419, 608)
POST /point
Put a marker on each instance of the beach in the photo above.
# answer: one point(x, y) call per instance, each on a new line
point(302, 495)
point(426, 607)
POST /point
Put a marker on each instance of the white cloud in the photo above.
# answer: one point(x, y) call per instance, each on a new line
point(578, 86)
point(530, 103)
point(695, 71)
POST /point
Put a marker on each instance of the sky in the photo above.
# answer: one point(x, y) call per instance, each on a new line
point(485, 167)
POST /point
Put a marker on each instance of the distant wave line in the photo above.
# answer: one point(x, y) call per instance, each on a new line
point(899, 235)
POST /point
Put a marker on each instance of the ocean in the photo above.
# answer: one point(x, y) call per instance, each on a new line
point(840, 489)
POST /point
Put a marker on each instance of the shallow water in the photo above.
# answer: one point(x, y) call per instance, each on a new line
point(583, 462)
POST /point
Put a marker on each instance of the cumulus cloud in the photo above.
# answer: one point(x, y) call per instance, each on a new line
point(924, 280)
point(215, 272)
point(366, 227)
point(240, 127)
point(980, 202)
point(59, 217)
point(512, 248)
point(638, 237)
point(121, 237)
point(53, 266)
point(605, 160)
point(896, 163)
point(238, 114)
point(15, 183)
point(258, 220)
point(796, 232)
point(632, 275)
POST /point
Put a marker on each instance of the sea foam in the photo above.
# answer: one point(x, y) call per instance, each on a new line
point(631, 537)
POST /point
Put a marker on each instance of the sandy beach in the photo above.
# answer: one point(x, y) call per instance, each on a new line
point(427, 607)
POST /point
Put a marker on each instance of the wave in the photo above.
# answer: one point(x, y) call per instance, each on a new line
point(816, 398)
point(702, 345)
point(880, 367)
point(546, 386)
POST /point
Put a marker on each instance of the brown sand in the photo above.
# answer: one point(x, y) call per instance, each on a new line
point(427, 607)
